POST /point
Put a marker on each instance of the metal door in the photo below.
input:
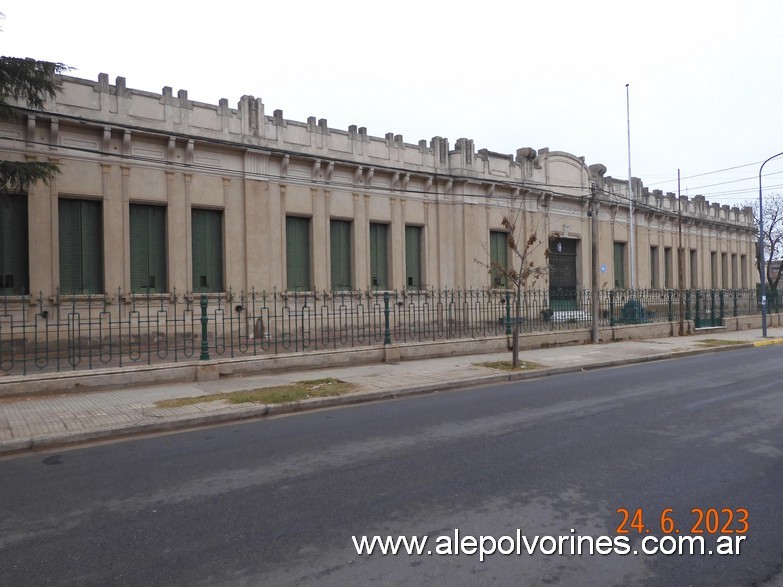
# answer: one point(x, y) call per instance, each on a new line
point(562, 274)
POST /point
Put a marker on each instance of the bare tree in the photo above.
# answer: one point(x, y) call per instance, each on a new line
point(521, 271)
point(773, 237)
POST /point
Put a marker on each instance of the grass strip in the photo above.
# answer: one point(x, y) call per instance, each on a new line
point(506, 365)
point(281, 394)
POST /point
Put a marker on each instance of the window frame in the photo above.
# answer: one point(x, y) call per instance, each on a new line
point(340, 246)
point(14, 244)
point(414, 253)
point(80, 250)
point(379, 256)
point(207, 250)
point(298, 251)
point(148, 222)
point(498, 255)
point(619, 265)
point(694, 266)
point(655, 281)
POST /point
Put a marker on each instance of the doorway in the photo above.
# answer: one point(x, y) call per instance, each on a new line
point(562, 273)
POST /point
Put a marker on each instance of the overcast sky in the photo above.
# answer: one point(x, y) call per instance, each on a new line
point(706, 76)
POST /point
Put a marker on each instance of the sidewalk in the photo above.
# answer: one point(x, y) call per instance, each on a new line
point(49, 421)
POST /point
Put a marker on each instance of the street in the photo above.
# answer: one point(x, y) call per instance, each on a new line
point(688, 444)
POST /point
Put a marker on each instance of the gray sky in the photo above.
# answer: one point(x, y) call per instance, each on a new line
point(705, 75)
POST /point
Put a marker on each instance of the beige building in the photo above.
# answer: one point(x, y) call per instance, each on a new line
point(160, 193)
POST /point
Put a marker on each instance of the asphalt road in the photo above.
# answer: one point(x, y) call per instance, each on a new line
point(276, 502)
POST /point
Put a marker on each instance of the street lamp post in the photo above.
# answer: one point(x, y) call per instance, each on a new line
point(762, 272)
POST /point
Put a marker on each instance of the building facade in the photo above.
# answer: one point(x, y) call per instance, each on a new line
point(158, 193)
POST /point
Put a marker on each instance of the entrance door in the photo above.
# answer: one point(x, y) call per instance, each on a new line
point(562, 274)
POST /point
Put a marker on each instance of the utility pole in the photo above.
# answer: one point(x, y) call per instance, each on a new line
point(680, 260)
point(595, 307)
point(631, 231)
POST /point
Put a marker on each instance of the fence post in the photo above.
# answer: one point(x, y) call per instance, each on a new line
point(697, 319)
point(386, 328)
point(688, 295)
point(712, 307)
point(722, 305)
point(736, 312)
point(611, 307)
point(671, 307)
point(204, 342)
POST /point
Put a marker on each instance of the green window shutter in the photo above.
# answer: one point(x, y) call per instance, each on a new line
point(413, 277)
point(215, 250)
point(158, 267)
point(694, 269)
point(81, 246)
point(667, 267)
point(207, 250)
point(92, 247)
point(654, 281)
point(379, 259)
point(297, 245)
point(148, 248)
point(14, 252)
point(714, 270)
point(139, 248)
point(70, 247)
point(199, 249)
point(498, 257)
point(340, 243)
point(619, 265)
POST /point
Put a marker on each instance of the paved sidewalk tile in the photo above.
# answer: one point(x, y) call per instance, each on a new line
point(46, 421)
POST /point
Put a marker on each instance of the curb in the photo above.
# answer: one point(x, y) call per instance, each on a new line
point(768, 342)
point(40, 443)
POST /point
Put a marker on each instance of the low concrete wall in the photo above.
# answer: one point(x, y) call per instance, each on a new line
point(51, 383)
point(96, 379)
point(652, 330)
point(99, 379)
point(751, 322)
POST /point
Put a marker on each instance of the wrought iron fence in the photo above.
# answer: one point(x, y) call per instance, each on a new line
point(64, 333)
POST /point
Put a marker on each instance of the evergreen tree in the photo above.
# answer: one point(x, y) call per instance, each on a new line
point(31, 82)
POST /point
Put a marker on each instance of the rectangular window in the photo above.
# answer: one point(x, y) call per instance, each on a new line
point(734, 272)
point(207, 249)
point(724, 270)
point(498, 257)
point(14, 258)
point(297, 253)
point(744, 269)
point(714, 270)
point(654, 281)
point(413, 249)
point(619, 265)
point(379, 259)
point(340, 243)
point(668, 274)
point(148, 248)
point(694, 269)
point(81, 247)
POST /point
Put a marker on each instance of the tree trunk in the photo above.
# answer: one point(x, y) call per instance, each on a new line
point(515, 339)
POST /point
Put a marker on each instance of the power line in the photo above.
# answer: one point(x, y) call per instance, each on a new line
point(709, 173)
point(732, 193)
point(699, 187)
point(727, 193)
